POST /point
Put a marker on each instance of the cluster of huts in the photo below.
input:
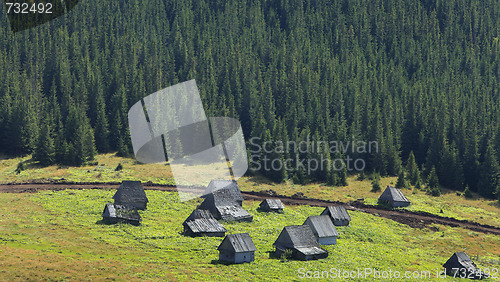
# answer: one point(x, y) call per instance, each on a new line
point(129, 198)
point(223, 201)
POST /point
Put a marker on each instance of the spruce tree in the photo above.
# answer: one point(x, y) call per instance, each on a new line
point(376, 183)
point(101, 127)
point(433, 183)
point(44, 151)
point(490, 173)
point(467, 193)
point(342, 180)
point(412, 169)
point(401, 183)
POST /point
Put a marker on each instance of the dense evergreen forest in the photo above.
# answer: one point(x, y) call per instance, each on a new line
point(421, 77)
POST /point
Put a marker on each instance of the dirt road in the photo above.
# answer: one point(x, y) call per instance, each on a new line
point(411, 218)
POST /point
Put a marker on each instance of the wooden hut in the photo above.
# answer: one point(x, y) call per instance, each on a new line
point(338, 214)
point(119, 213)
point(237, 248)
point(461, 266)
point(272, 205)
point(131, 193)
point(323, 228)
point(202, 223)
point(393, 197)
point(301, 241)
point(225, 204)
point(231, 189)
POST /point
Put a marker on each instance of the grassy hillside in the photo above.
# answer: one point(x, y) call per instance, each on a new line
point(58, 235)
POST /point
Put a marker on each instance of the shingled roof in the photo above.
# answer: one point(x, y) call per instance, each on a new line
point(461, 264)
point(238, 243)
point(272, 204)
point(301, 240)
point(297, 236)
point(337, 213)
point(392, 194)
point(234, 212)
point(223, 192)
point(202, 222)
point(202, 225)
point(113, 213)
point(131, 193)
point(225, 203)
point(200, 214)
point(322, 226)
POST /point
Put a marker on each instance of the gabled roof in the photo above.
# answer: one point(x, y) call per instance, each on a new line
point(230, 185)
point(223, 192)
point(297, 236)
point(274, 204)
point(462, 264)
point(322, 226)
point(235, 211)
point(238, 243)
point(308, 251)
point(121, 212)
point(337, 213)
point(200, 214)
point(393, 194)
point(130, 192)
point(460, 260)
point(204, 225)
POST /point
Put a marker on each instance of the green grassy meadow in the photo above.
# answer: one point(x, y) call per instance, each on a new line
point(103, 170)
point(59, 236)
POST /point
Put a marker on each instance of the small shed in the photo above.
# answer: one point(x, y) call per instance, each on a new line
point(230, 187)
point(301, 241)
point(202, 223)
point(393, 197)
point(460, 265)
point(225, 204)
point(338, 214)
point(272, 205)
point(237, 248)
point(118, 213)
point(323, 228)
point(131, 193)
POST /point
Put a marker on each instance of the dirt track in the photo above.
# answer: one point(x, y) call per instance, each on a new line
point(411, 218)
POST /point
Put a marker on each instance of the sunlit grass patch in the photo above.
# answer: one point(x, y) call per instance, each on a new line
point(64, 226)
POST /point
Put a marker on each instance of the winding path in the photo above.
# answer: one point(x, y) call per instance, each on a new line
point(412, 218)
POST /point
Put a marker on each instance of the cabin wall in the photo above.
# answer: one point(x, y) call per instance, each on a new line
point(301, 256)
point(328, 240)
point(136, 205)
point(279, 251)
point(340, 222)
point(244, 257)
point(265, 208)
point(226, 256)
